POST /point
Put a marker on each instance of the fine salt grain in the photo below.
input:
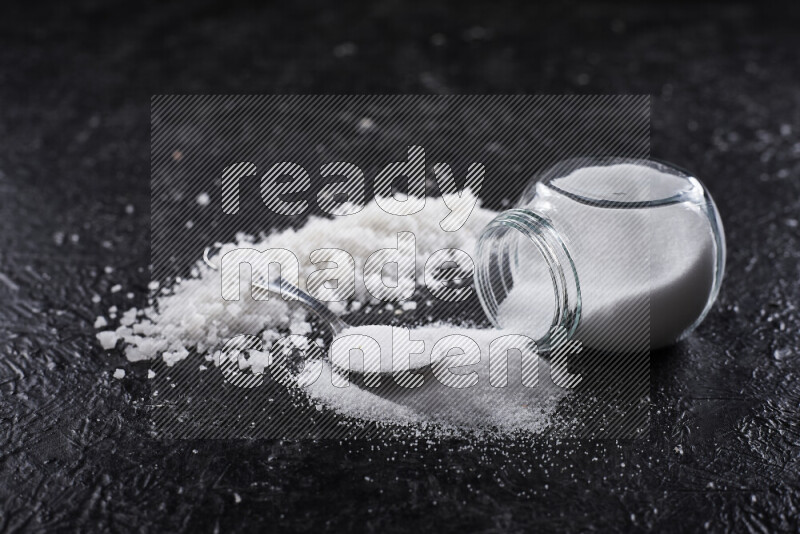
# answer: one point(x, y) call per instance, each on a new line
point(483, 404)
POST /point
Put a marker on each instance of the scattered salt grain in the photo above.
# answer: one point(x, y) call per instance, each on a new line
point(203, 199)
point(128, 318)
point(171, 358)
point(108, 339)
point(100, 322)
point(116, 288)
point(151, 374)
point(119, 374)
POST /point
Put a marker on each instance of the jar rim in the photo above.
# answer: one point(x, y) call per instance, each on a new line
point(564, 168)
point(540, 232)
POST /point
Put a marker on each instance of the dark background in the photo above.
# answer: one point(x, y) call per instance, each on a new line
point(76, 78)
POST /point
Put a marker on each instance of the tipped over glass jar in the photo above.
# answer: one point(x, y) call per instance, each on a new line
point(619, 253)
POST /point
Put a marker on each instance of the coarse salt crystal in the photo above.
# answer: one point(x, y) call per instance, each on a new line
point(108, 339)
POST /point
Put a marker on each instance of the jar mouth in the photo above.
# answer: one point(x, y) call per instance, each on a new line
point(614, 182)
point(525, 277)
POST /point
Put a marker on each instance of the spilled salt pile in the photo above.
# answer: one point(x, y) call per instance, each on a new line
point(193, 318)
point(476, 391)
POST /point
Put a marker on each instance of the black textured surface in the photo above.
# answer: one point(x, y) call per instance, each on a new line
point(75, 83)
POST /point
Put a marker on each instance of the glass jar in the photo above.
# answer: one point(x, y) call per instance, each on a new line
point(621, 254)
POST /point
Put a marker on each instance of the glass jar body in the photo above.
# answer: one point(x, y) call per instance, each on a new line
point(620, 254)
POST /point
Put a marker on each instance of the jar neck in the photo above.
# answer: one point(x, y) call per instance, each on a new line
point(503, 265)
